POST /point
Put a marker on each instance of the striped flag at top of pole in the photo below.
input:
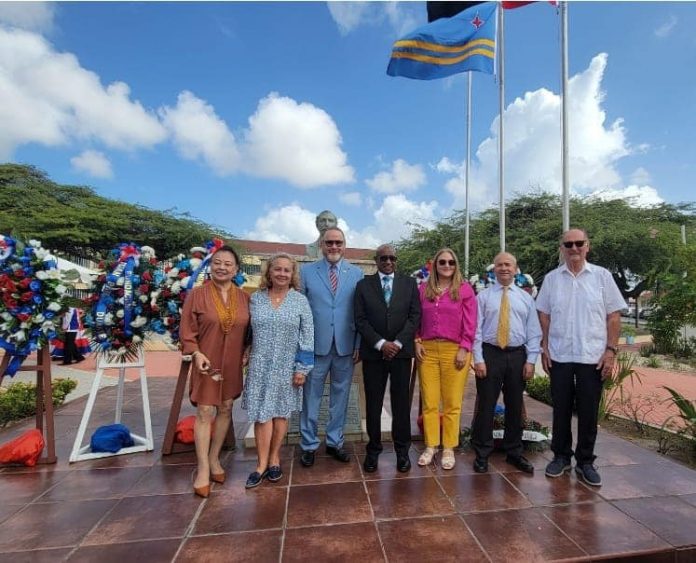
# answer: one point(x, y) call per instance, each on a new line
point(448, 46)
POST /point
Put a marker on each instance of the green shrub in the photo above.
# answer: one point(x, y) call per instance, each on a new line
point(613, 385)
point(18, 400)
point(539, 388)
point(653, 362)
point(647, 350)
point(628, 330)
point(685, 347)
point(664, 328)
point(687, 413)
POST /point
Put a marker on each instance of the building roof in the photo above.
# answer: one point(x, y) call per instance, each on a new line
point(262, 247)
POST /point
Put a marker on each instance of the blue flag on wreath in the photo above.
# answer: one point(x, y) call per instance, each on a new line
point(448, 46)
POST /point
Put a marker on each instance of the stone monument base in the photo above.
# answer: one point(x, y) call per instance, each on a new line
point(354, 429)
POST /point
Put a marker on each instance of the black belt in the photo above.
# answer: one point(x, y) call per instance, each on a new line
point(508, 349)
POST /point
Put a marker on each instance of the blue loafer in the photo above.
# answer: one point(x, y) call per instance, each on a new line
point(255, 479)
point(275, 473)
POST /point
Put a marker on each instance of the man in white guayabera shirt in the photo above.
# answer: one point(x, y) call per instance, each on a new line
point(579, 309)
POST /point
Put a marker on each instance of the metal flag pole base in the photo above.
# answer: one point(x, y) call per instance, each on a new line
point(142, 444)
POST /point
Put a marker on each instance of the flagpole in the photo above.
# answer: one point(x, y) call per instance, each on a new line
point(501, 81)
point(564, 115)
point(466, 173)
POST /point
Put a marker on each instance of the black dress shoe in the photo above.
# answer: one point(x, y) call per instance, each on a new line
point(307, 458)
point(255, 479)
point(403, 464)
point(521, 463)
point(338, 454)
point(370, 463)
point(480, 465)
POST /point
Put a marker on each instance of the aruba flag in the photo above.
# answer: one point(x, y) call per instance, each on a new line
point(448, 46)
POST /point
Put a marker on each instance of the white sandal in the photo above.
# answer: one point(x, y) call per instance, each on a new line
point(448, 460)
point(426, 457)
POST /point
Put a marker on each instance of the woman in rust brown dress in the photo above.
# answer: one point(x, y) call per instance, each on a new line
point(214, 325)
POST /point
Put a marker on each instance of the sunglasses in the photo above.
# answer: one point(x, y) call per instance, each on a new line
point(333, 242)
point(387, 258)
point(443, 262)
point(576, 243)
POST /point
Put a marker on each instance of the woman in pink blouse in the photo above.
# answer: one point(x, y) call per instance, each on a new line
point(443, 345)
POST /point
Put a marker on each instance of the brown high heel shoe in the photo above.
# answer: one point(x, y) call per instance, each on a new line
point(204, 491)
point(218, 477)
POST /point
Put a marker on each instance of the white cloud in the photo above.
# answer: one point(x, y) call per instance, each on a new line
point(351, 15)
point(641, 176)
point(33, 16)
point(401, 178)
point(198, 133)
point(350, 198)
point(48, 98)
point(665, 30)
point(94, 163)
point(446, 166)
point(348, 15)
point(297, 142)
point(394, 219)
point(532, 139)
point(291, 223)
point(637, 196)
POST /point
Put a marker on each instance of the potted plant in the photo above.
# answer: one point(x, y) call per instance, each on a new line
point(629, 333)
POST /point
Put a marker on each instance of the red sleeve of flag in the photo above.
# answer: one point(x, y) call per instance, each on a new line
point(509, 5)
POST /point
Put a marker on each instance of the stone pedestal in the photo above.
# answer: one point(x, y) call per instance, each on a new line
point(354, 429)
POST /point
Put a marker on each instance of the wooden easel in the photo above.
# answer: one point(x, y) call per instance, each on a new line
point(44, 400)
point(142, 444)
point(168, 445)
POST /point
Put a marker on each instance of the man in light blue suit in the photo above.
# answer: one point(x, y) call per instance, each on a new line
point(329, 285)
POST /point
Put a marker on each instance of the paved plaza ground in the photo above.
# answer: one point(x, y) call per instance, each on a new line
point(140, 506)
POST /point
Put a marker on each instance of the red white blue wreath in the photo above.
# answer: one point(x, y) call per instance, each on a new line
point(124, 301)
point(31, 300)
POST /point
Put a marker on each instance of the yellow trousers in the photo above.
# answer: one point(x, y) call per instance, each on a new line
point(441, 381)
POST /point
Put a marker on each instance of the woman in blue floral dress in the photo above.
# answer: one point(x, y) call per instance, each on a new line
point(282, 353)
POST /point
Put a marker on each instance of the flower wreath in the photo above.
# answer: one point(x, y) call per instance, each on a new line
point(124, 301)
point(179, 280)
point(423, 273)
point(31, 300)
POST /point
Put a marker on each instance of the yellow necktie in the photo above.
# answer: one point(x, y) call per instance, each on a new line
point(504, 319)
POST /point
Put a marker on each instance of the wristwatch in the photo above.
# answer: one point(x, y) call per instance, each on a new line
point(613, 349)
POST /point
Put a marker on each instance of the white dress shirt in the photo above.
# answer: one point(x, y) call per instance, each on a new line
point(578, 307)
point(525, 329)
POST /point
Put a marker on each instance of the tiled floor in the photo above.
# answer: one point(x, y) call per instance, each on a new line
point(140, 507)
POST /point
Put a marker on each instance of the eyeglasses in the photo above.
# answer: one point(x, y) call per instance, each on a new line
point(387, 258)
point(217, 264)
point(443, 262)
point(338, 243)
point(577, 243)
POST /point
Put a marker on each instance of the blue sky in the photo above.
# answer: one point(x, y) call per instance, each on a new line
point(257, 116)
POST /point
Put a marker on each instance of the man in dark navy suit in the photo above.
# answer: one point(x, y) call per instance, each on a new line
point(387, 314)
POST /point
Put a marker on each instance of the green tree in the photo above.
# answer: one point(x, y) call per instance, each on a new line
point(636, 244)
point(674, 301)
point(76, 220)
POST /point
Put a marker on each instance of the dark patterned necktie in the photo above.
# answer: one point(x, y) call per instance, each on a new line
point(333, 278)
point(386, 288)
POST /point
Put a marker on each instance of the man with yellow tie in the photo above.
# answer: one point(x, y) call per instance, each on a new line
point(506, 347)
